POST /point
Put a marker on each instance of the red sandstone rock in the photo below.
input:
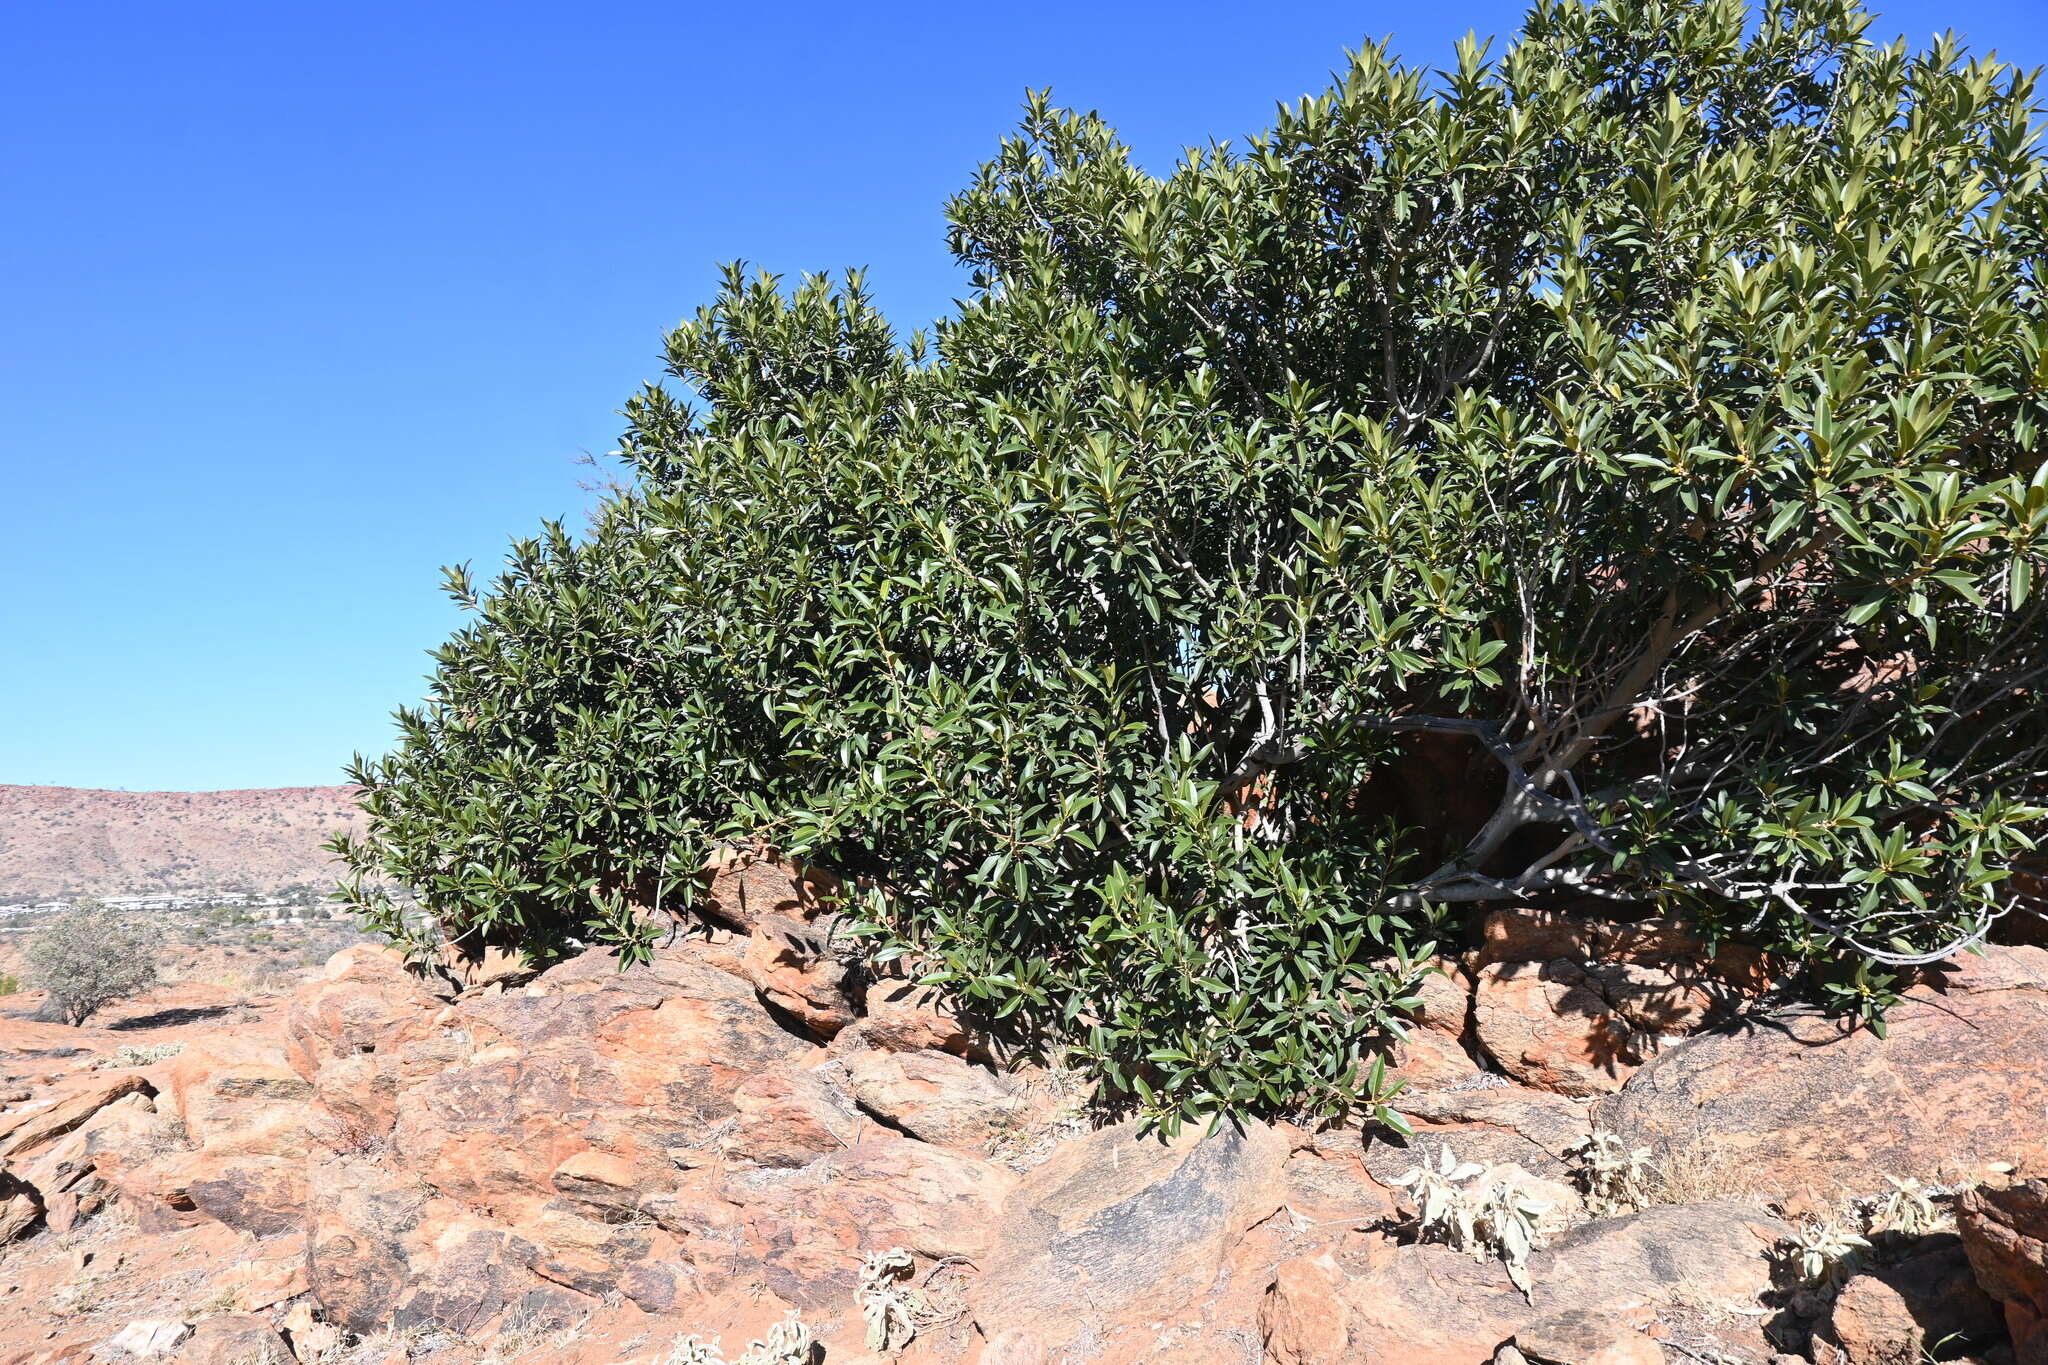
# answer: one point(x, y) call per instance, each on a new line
point(791, 1118)
point(1579, 1336)
point(1548, 1025)
point(21, 1207)
point(803, 1232)
point(363, 1001)
point(902, 1016)
point(1804, 1104)
point(263, 1195)
point(1429, 1060)
point(1118, 1230)
point(1304, 1320)
point(791, 965)
point(1429, 1305)
point(1446, 996)
point(934, 1096)
point(2005, 1233)
point(225, 1086)
point(642, 1064)
point(22, 1133)
point(741, 886)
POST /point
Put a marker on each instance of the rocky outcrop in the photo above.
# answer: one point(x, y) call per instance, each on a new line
point(1115, 1233)
point(23, 1133)
point(52, 1158)
point(934, 1096)
point(663, 1134)
point(1372, 1301)
point(1902, 1313)
point(1804, 1104)
point(803, 1232)
point(243, 1109)
point(2005, 1233)
point(724, 1133)
point(1575, 1006)
point(793, 966)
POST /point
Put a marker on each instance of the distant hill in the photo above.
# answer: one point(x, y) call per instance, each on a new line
point(67, 841)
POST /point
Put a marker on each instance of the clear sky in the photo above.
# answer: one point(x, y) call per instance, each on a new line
point(302, 301)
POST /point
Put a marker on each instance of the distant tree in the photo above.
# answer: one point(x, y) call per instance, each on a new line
point(91, 956)
point(1603, 470)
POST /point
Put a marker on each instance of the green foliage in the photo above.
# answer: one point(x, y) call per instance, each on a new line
point(90, 956)
point(10, 984)
point(1608, 469)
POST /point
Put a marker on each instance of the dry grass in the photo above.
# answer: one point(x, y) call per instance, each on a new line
point(166, 1134)
point(407, 1343)
point(525, 1336)
point(247, 981)
point(1700, 1171)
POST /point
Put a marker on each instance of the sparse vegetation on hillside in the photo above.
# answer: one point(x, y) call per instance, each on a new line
point(1606, 468)
point(59, 842)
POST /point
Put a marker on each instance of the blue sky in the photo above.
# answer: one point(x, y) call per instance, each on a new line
point(304, 301)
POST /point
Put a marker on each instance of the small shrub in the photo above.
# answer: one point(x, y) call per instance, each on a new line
point(788, 1342)
point(90, 956)
point(1906, 1211)
point(1492, 1218)
point(130, 1055)
point(9, 984)
point(1825, 1252)
point(1615, 1177)
point(887, 1304)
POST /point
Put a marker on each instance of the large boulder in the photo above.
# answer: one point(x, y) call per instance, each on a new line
point(362, 1002)
point(902, 1016)
point(504, 1152)
point(740, 887)
point(2005, 1233)
point(355, 1033)
point(1117, 1231)
point(1901, 1312)
point(1375, 1301)
point(243, 1106)
point(935, 1096)
point(227, 1086)
point(1804, 1104)
point(804, 1231)
point(640, 1064)
point(1548, 1025)
point(792, 964)
point(1575, 1006)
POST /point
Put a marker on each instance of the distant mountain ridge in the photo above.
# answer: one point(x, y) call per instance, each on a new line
point(58, 842)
